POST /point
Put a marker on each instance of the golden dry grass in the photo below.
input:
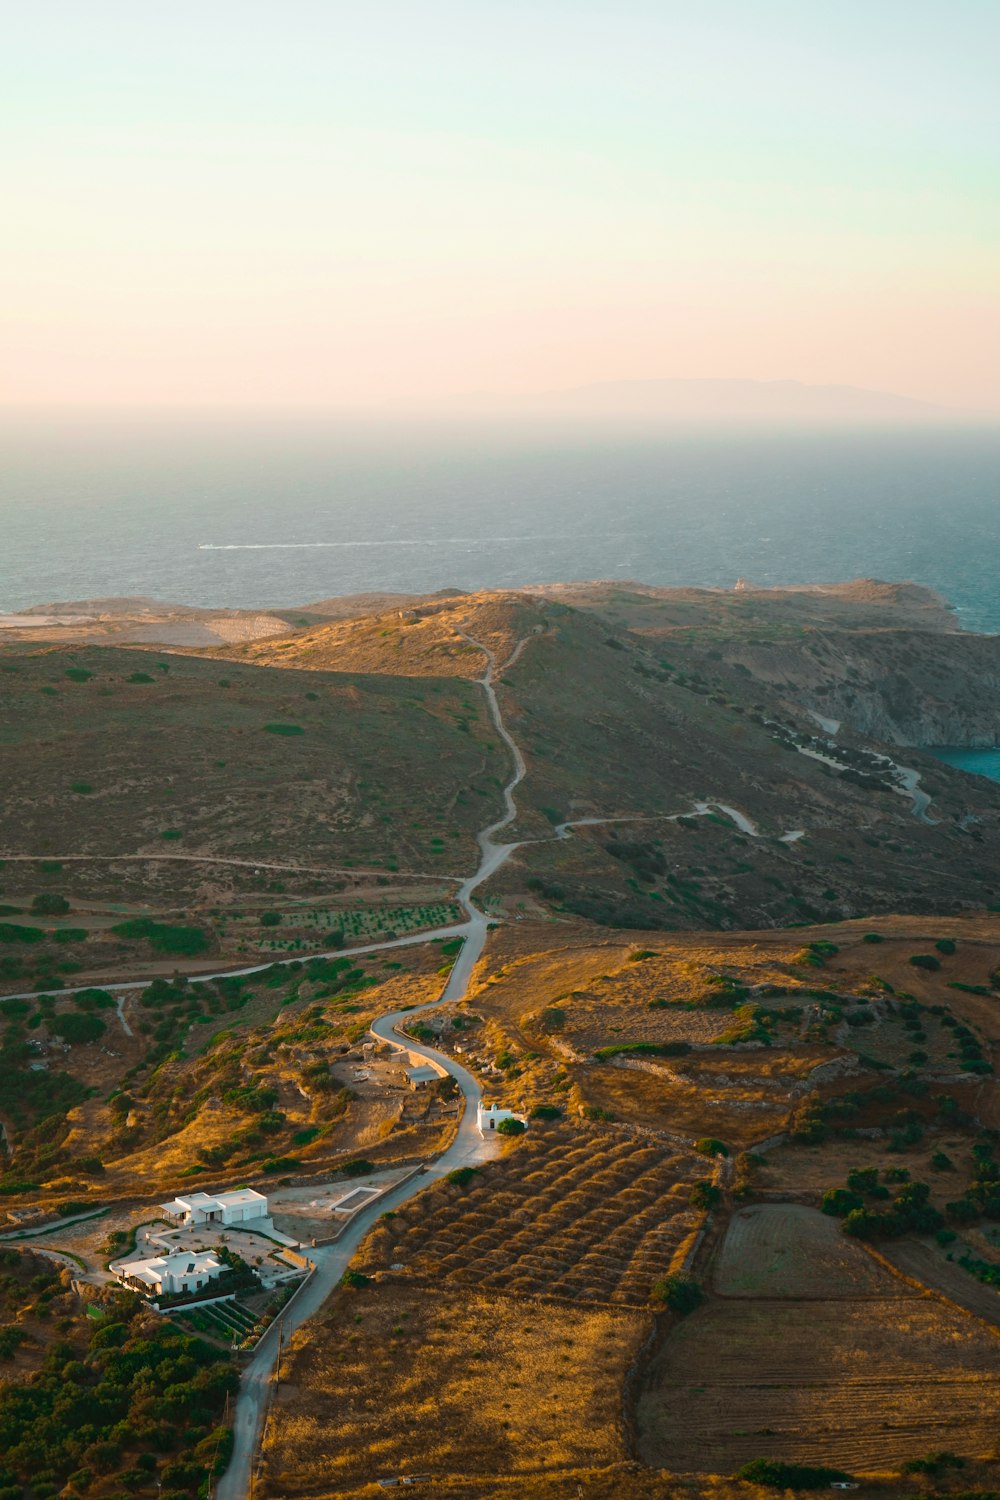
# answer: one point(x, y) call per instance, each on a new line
point(395, 1382)
point(804, 1168)
point(740, 1098)
point(630, 1481)
point(419, 640)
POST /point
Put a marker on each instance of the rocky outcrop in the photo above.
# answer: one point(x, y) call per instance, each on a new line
point(903, 687)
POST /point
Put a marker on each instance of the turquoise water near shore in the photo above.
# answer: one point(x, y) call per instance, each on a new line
point(229, 512)
point(976, 762)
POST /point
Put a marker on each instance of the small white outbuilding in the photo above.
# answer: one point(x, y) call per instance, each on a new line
point(489, 1116)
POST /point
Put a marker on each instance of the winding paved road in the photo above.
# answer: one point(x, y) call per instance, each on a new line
point(468, 1146)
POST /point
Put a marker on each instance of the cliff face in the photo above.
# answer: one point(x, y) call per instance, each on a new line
point(904, 687)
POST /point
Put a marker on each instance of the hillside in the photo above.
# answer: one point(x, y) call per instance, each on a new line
point(603, 855)
point(654, 705)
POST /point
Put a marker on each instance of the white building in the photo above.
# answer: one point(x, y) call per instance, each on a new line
point(184, 1271)
point(217, 1208)
point(489, 1116)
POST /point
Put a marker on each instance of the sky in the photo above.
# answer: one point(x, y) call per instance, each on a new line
point(315, 203)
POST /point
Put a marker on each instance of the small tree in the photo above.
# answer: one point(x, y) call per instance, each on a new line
point(511, 1127)
point(709, 1146)
point(461, 1176)
point(49, 904)
point(705, 1194)
point(681, 1294)
point(545, 1112)
point(840, 1202)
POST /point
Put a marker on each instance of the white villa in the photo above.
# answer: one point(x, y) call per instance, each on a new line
point(184, 1271)
point(489, 1116)
point(236, 1207)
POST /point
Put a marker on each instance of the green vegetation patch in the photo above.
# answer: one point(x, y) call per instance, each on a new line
point(162, 936)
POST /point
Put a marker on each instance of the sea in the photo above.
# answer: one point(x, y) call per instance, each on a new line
point(265, 512)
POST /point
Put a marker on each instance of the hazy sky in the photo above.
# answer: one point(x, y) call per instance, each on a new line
point(320, 202)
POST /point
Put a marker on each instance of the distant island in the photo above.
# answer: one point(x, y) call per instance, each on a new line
point(784, 402)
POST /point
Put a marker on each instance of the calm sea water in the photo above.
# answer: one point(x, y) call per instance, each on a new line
point(227, 513)
point(978, 762)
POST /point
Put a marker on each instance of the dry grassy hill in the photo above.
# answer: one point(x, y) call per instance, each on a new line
point(751, 1013)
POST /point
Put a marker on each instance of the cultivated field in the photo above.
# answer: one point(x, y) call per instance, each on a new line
point(394, 1381)
point(583, 1214)
point(784, 1250)
point(859, 1384)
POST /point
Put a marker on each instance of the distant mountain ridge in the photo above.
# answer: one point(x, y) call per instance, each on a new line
point(749, 400)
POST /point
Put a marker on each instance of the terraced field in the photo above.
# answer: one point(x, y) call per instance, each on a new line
point(582, 1214)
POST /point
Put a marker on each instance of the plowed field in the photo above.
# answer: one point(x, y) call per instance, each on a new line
point(860, 1386)
point(785, 1250)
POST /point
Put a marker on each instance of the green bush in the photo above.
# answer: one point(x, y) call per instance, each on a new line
point(11, 932)
point(839, 1202)
point(705, 1194)
point(511, 1127)
point(646, 1049)
point(141, 677)
point(82, 788)
point(284, 729)
point(49, 904)
point(925, 961)
point(681, 1294)
point(709, 1146)
point(70, 935)
point(78, 674)
point(167, 939)
point(461, 1176)
point(359, 1167)
point(270, 919)
point(946, 945)
point(75, 1027)
point(545, 1112)
point(782, 1476)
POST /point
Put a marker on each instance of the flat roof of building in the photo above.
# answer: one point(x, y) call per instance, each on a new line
point(177, 1264)
point(231, 1199)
